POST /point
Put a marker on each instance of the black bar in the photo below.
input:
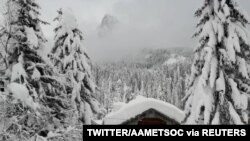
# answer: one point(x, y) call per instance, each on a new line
point(115, 132)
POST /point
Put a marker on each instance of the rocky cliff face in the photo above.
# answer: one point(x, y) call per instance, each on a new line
point(107, 25)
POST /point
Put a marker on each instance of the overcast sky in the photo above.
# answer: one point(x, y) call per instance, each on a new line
point(142, 23)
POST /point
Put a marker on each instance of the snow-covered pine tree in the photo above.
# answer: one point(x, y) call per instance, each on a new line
point(219, 82)
point(109, 96)
point(5, 32)
point(70, 57)
point(35, 97)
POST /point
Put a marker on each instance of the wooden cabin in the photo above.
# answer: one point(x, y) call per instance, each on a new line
point(145, 111)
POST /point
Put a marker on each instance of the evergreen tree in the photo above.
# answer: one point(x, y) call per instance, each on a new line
point(36, 92)
point(71, 59)
point(5, 33)
point(219, 82)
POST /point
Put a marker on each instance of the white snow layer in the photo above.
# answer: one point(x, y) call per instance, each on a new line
point(17, 72)
point(68, 21)
point(36, 74)
point(87, 113)
point(235, 117)
point(117, 106)
point(31, 36)
point(202, 96)
point(140, 105)
point(220, 83)
point(20, 92)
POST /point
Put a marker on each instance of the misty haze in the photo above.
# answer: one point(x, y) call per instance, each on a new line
point(148, 24)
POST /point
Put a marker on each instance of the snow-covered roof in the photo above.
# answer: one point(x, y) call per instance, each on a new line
point(140, 105)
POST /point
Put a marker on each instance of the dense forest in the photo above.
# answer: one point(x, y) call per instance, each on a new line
point(123, 81)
